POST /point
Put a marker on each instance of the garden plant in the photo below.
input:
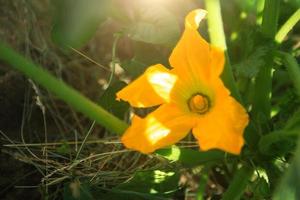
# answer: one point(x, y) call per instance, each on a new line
point(137, 99)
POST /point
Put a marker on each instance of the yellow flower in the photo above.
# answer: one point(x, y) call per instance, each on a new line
point(191, 96)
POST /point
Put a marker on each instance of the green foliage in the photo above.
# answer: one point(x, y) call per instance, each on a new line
point(261, 189)
point(134, 67)
point(148, 185)
point(108, 100)
point(251, 65)
point(76, 21)
point(191, 158)
point(154, 25)
point(289, 186)
point(238, 183)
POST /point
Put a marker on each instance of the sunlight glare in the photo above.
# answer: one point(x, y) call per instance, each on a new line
point(163, 83)
point(160, 130)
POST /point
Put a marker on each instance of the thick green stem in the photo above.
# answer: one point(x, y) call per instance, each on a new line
point(287, 26)
point(238, 184)
point(270, 18)
point(263, 83)
point(259, 10)
point(217, 38)
point(215, 23)
point(63, 91)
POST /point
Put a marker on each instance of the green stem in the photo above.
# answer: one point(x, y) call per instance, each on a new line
point(202, 184)
point(270, 18)
point(263, 82)
point(238, 184)
point(287, 26)
point(63, 91)
point(293, 69)
point(114, 58)
point(215, 23)
point(259, 10)
point(217, 38)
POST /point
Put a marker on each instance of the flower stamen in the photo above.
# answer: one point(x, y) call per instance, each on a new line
point(199, 103)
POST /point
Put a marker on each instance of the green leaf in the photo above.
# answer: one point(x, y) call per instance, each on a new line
point(294, 122)
point(150, 185)
point(76, 21)
point(190, 157)
point(134, 68)
point(238, 184)
point(281, 141)
point(290, 183)
point(261, 189)
point(278, 142)
point(250, 66)
point(154, 25)
point(154, 182)
point(109, 102)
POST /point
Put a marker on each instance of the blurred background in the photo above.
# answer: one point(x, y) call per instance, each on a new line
point(81, 42)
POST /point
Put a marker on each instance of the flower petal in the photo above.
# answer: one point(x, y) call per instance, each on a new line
point(193, 54)
point(217, 61)
point(163, 127)
point(224, 125)
point(150, 89)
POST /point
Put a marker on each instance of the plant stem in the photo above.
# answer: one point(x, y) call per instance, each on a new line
point(238, 184)
point(215, 23)
point(259, 11)
point(293, 69)
point(63, 91)
point(270, 18)
point(202, 184)
point(217, 38)
point(263, 82)
point(287, 26)
point(114, 58)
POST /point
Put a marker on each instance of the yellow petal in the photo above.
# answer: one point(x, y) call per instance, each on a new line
point(150, 89)
point(193, 56)
point(217, 61)
point(163, 127)
point(224, 125)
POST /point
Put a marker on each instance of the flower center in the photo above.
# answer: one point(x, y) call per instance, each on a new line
point(199, 103)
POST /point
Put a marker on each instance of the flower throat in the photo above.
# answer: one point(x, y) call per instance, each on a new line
point(199, 103)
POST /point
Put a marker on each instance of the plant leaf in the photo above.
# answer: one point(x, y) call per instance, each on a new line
point(109, 102)
point(76, 21)
point(190, 157)
point(154, 25)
